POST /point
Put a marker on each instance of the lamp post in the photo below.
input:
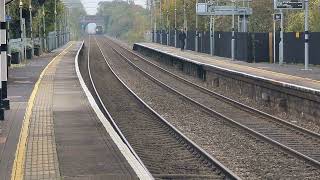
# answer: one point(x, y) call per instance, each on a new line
point(175, 23)
point(306, 36)
point(281, 39)
point(160, 22)
point(185, 23)
point(197, 33)
point(55, 23)
point(233, 34)
point(155, 21)
point(44, 29)
point(31, 33)
point(168, 24)
point(21, 28)
point(151, 20)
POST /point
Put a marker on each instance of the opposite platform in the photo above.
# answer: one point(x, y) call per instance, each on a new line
point(283, 91)
point(287, 75)
point(62, 137)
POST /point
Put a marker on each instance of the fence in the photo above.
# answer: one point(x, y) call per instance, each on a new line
point(62, 38)
point(250, 47)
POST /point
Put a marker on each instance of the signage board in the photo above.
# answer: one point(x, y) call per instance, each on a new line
point(205, 9)
point(277, 17)
point(289, 4)
point(8, 18)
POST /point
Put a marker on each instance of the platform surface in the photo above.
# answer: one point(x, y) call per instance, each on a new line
point(21, 80)
point(61, 135)
point(287, 74)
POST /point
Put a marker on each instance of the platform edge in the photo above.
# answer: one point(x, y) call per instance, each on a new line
point(134, 163)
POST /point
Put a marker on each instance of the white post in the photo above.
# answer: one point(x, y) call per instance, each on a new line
point(21, 29)
point(8, 34)
point(274, 39)
point(185, 23)
point(211, 35)
point(281, 39)
point(44, 29)
point(55, 24)
point(175, 23)
point(151, 19)
point(24, 39)
point(3, 43)
point(233, 35)
point(306, 35)
point(155, 21)
point(197, 32)
point(31, 33)
point(160, 22)
point(168, 24)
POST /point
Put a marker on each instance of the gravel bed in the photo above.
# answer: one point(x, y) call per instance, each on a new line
point(308, 124)
point(294, 139)
point(162, 154)
point(245, 155)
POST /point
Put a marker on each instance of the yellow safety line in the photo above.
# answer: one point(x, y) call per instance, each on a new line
point(18, 165)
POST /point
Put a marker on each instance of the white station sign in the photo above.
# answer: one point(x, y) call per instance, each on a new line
point(289, 4)
point(206, 9)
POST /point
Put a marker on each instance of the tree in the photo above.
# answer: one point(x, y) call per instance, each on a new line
point(123, 20)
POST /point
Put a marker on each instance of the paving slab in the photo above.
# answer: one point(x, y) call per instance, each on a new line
point(61, 135)
point(21, 80)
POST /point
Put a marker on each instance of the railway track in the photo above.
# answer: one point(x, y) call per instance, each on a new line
point(302, 142)
point(164, 151)
point(263, 126)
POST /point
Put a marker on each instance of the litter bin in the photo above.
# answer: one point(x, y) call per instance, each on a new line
point(15, 58)
point(29, 53)
point(9, 60)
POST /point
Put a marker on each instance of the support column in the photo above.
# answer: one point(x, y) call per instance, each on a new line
point(168, 24)
point(21, 30)
point(3, 61)
point(175, 23)
point(31, 32)
point(197, 32)
point(155, 22)
point(160, 22)
point(281, 39)
point(44, 29)
point(55, 23)
point(185, 26)
point(233, 40)
point(306, 36)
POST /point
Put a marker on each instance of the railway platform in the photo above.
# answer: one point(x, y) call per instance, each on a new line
point(284, 90)
point(56, 131)
point(287, 74)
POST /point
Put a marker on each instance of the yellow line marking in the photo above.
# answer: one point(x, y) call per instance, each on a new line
point(18, 165)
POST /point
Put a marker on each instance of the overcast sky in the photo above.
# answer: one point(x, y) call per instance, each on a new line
point(91, 5)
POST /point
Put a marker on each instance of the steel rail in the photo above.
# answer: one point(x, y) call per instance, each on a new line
point(213, 112)
point(192, 146)
point(227, 99)
point(110, 117)
point(231, 101)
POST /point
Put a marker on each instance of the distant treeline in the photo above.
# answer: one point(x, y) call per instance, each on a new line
point(131, 21)
point(123, 20)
